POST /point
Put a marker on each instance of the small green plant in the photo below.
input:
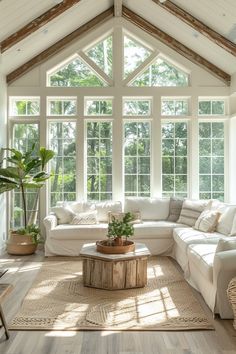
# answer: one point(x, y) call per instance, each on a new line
point(33, 231)
point(119, 228)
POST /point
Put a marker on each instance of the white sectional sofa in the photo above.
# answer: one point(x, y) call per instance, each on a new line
point(207, 265)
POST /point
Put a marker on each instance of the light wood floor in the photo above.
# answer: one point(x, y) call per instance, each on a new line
point(22, 271)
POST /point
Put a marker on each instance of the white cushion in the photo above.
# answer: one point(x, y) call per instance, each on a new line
point(226, 244)
point(150, 208)
point(136, 217)
point(64, 214)
point(207, 220)
point(202, 255)
point(191, 210)
point(154, 229)
point(226, 221)
point(85, 218)
point(188, 236)
point(233, 230)
point(79, 232)
point(103, 208)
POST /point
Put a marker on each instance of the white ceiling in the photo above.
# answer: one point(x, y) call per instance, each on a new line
point(217, 14)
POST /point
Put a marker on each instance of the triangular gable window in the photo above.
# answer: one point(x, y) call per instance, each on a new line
point(134, 55)
point(75, 74)
point(161, 73)
point(101, 55)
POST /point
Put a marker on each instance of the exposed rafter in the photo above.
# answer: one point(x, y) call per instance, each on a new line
point(176, 45)
point(37, 23)
point(60, 45)
point(198, 25)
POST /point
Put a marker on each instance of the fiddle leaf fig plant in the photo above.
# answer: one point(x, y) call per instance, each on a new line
point(24, 171)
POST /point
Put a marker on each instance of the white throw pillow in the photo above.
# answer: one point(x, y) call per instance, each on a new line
point(85, 218)
point(207, 221)
point(226, 221)
point(64, 214)
point(191, 211)
point(225, 245)
point(233, 230)
point(150, 208)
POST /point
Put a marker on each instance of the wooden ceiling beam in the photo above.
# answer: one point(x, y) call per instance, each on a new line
point(175, 45)
point(37, 23)
point(60, 45)
point(198, 25)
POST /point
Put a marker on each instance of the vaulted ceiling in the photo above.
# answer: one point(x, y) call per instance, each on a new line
point(22, 17)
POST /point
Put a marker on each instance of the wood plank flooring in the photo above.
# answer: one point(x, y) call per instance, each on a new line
point(22, 271)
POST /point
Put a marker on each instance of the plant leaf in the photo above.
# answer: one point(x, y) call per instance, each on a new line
point(46, 155)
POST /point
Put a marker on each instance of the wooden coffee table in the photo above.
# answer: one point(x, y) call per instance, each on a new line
point(114, 271)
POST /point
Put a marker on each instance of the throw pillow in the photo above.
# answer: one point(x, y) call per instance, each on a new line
point(191, 211)
point(226, 221)
point(225, 245)
point(85, 218)
point(64, 214)
point(207, 221)
point(104, 207)
point(175, 209)
point(119, 217)
point(233, 230)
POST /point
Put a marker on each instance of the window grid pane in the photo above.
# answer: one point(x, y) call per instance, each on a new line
point(174, 107)
point(175, 159)
point(24, 106)
point(136, 107)
point(211, 160)
point(96, 107)
point(62, 140)
point(211, 107)
point(137, 156)
point(99, 161)
point(61, 107)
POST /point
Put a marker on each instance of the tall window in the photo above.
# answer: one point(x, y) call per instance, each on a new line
point(137, 158)
point(62, 138)
point(174, 159)
point(211, 160)
point(24, 136)
point(99, 160)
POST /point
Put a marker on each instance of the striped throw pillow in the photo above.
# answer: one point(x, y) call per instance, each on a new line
point(191, 211)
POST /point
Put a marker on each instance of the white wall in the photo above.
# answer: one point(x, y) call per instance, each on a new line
point(3, 142)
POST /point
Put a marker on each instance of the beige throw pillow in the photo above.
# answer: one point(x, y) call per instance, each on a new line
point(191, 211)
point(175, 209)
point(233, 230)
point(207, 221)
point(85, 218)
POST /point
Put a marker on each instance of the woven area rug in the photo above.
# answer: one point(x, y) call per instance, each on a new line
point(58, 300)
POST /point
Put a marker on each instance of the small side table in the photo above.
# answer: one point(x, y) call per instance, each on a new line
point(5, 289)
point(114, 271)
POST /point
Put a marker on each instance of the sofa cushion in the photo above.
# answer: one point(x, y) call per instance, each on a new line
point(175, 209)
point(207, 221)
point(150, 208)
point(136, 215)
point(154, 229)
point(191, 210)
point(79, 232)
point(188, 236)
point(226, 220)
point(202, 255)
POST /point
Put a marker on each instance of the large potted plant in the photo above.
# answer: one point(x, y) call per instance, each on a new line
point(24, 171)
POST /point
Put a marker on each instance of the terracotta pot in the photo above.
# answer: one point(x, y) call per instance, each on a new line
point(20, 245)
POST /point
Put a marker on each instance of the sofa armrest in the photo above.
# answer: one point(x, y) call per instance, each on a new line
point(224, 270)
point(50, 222)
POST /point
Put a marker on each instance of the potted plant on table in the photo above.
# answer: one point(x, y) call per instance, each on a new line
point(24, 171)
point(119, 230)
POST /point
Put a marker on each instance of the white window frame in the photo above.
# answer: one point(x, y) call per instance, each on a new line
point(211, 100)
point(137, 99)
point(27, 99)
point(175, 99)
point(61, 99)
point(99, 99)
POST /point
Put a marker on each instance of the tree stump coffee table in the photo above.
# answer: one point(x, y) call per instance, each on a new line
point(114, 271)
